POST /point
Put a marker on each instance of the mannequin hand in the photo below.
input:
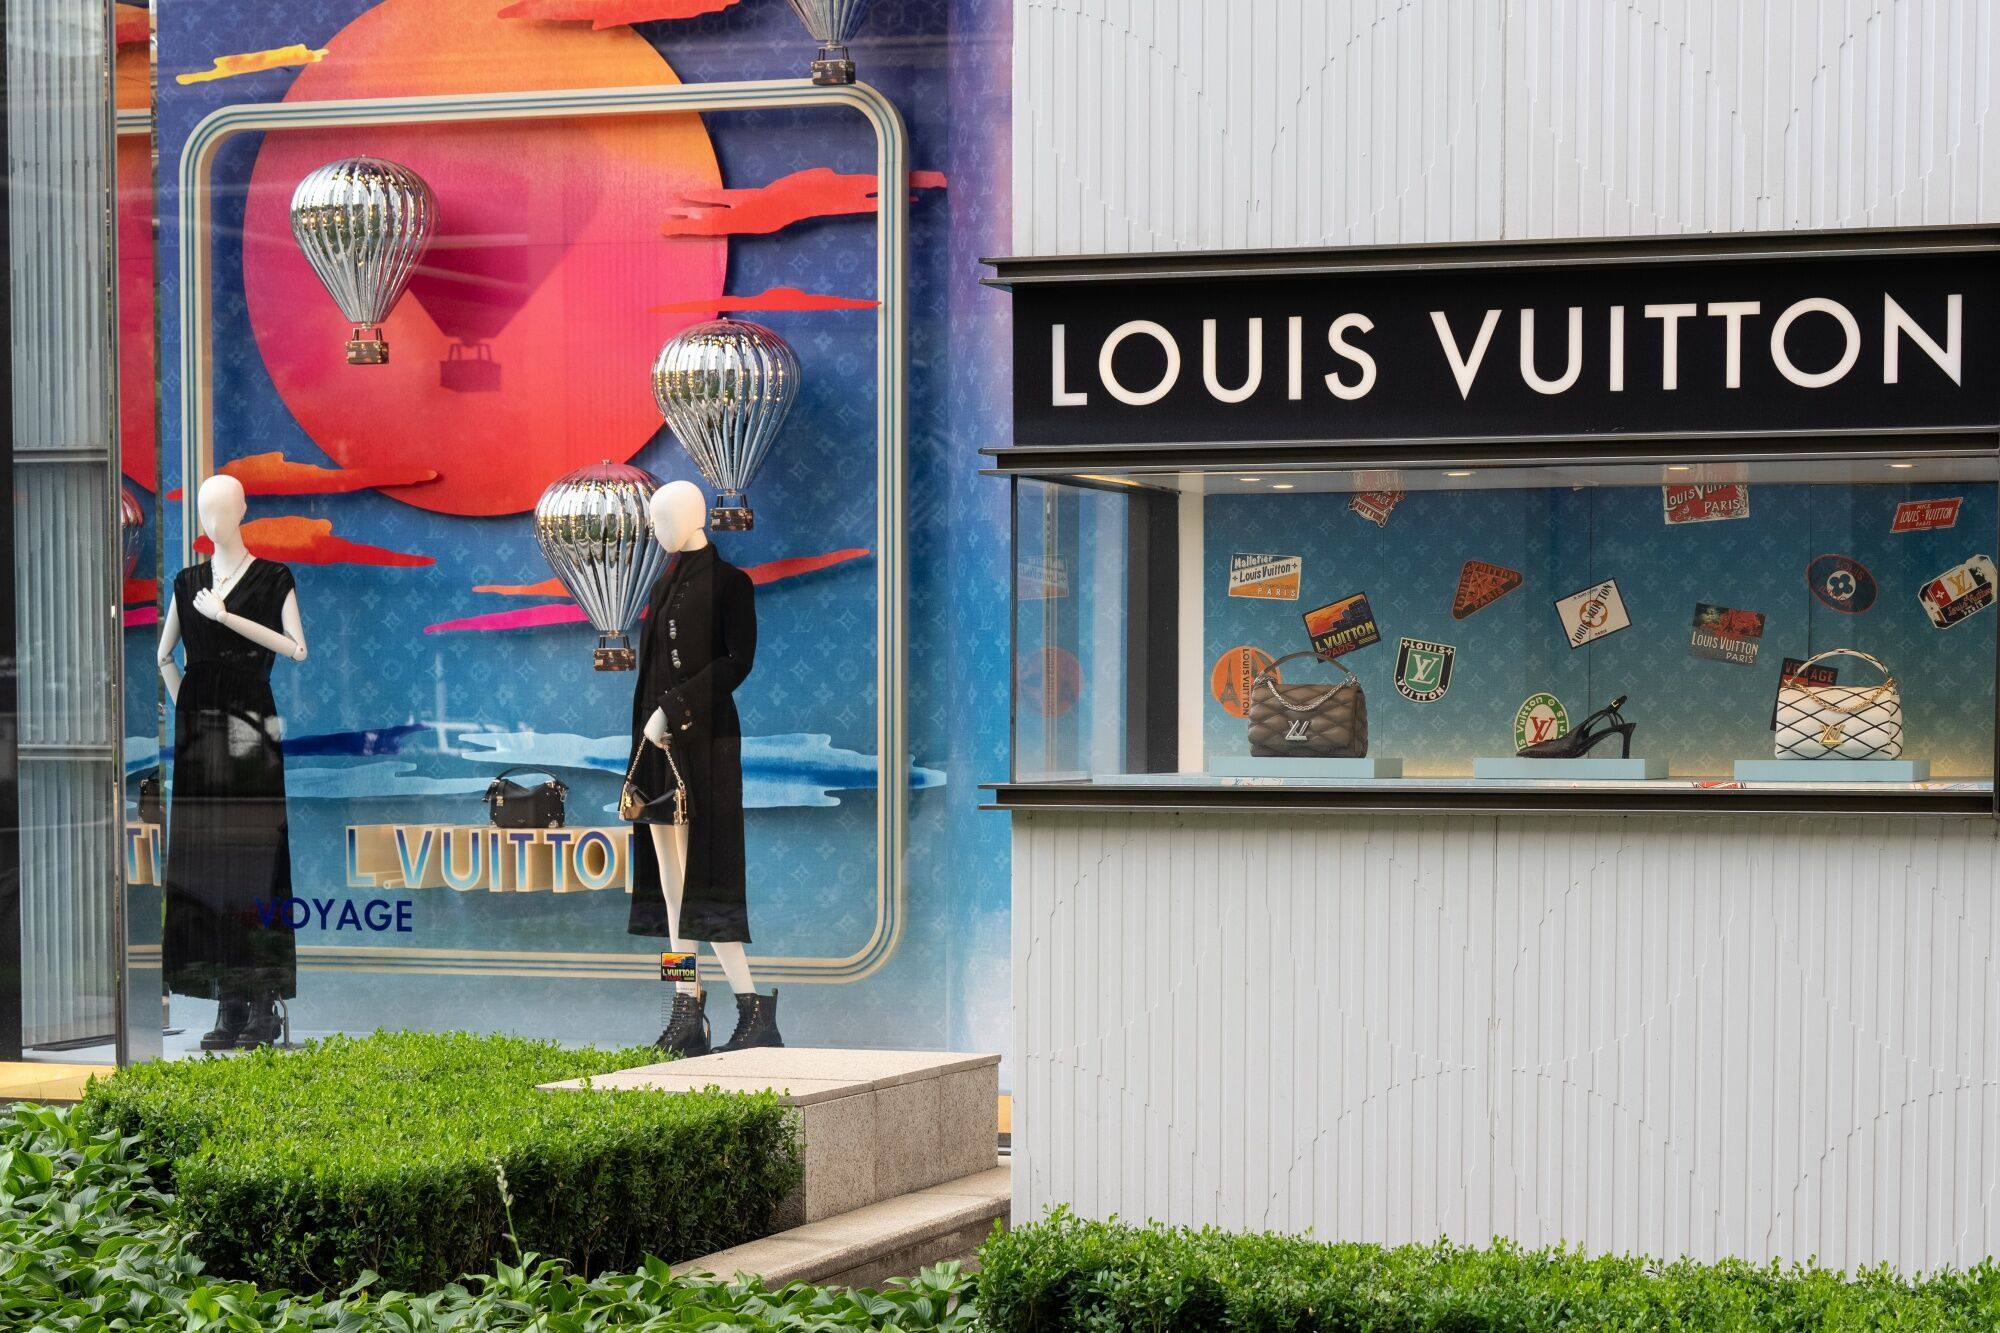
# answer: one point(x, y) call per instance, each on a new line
point(210, 605)
point(656, 728)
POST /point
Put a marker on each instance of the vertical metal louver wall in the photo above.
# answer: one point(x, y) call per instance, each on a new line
point(64, 443)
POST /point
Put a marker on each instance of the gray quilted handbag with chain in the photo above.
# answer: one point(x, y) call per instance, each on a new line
point(1307, 721)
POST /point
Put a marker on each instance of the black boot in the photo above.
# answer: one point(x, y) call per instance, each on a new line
point(264, 1027)
point(687, 1027)
point(230, 1016)
point(756, 1023)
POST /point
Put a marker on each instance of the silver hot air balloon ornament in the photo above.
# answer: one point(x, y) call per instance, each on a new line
point(725, 387)
point(596, 532)
point(831, 23)
point(131, 518)
point(362, 223)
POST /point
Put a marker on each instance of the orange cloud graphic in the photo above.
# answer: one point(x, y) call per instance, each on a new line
point(134, 24)
point(274, 474)
point(817, 192)
point(612, 13)
point(773, 298)
point(310, 541)
point(254, 62)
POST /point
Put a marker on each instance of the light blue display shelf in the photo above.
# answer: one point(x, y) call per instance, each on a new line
point(1833, 770)
point(1342, 770)
point(1516, 769)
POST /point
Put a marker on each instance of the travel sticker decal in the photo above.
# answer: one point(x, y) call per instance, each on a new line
point(1234, 673)
point(1795, 668)
point(1423, 670)
point(1959, 592)
point(1705, 504)
point(1926, 515)
point(1841, 582)
point(1343, 626)
point(1375, 506)
point(1480, 585)
point(1724, 634)
point(1272, 578)
point(1041, 580)
point(1592, 613)
point(1541, 717)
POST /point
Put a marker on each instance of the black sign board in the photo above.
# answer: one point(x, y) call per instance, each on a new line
point(1846, 337)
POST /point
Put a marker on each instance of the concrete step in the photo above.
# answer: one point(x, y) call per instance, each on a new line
point(875, 1124)
point(867, 1246)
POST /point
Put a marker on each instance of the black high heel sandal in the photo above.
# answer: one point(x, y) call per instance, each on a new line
point(1581, 740)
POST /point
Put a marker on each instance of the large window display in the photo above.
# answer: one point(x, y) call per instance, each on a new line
point(1693, 628)
point(515, 434)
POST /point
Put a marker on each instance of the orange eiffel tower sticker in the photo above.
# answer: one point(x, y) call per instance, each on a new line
point(1480, 585)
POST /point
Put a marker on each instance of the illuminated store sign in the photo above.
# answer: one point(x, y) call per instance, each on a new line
point(1869, 341)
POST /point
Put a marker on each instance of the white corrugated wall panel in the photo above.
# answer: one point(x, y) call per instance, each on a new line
point(1706, 1036)
point(1216, 124)
point(1767, 1038)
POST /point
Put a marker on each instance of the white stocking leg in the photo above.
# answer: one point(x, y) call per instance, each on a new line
point(670, 846)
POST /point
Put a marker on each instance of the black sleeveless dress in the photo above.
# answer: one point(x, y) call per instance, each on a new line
point(229, 860)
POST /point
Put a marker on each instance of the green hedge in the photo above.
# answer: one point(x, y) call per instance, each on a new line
point(386, 1155)
point(1063, 1273)
point(89, 1243)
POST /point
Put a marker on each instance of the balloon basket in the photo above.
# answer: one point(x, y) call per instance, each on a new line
point(614, 653)
point(833, 66)
point(731, 516)
point(367, 348)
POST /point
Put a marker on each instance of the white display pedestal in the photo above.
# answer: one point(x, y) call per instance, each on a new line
point(1340, 770)
point(1515, 769)
point(1833, 770)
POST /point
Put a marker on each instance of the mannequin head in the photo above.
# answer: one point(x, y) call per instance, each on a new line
point(222, 508)
point(678, 510)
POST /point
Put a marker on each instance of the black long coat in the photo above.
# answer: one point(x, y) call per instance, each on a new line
point(696, 645)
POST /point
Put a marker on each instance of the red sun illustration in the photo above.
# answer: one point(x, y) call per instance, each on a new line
point(521, 349)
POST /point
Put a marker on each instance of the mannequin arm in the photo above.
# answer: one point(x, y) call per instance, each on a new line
point(736, 626)
point(292, 643)
point(170, 637)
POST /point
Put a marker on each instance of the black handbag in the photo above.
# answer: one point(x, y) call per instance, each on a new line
point(152, 810)
point(638, 808)
point(510, 805)
point(1307, 721)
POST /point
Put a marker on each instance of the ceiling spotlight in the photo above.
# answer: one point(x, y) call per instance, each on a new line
point(1281, 485)
point(1458, 474)
point(1902, 465)
point(1679, 467)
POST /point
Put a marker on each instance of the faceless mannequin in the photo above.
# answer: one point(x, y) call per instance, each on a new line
point(222, 505)
point(678, 512)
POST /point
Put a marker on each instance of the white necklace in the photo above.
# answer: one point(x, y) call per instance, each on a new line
point(223, 587)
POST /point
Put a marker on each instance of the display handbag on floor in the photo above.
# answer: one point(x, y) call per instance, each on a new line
point(510, 805)
point(1307, 721)
point(638, 808)
point(1839, 721)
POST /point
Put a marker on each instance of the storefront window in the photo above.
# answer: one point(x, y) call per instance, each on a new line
point(1455, 628)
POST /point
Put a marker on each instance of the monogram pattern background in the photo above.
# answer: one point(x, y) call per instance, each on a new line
point(404, 726)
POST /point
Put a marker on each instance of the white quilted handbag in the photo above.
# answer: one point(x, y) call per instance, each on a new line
point(1840, 721)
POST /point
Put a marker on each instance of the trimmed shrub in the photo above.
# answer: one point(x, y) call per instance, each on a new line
point(389, 1155)
point(1065, 1273)
point(89, 1243)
